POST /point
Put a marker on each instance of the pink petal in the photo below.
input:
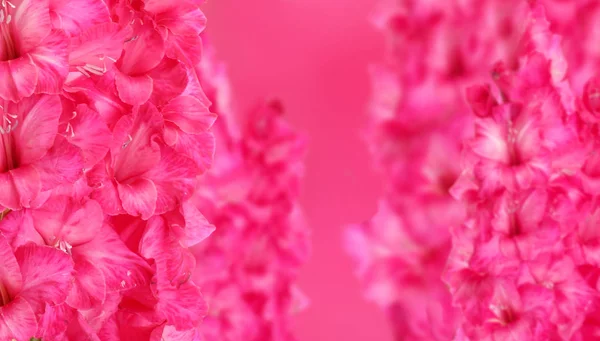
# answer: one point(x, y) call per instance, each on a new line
point(47, 275)
point(75, 16)
point(193, 227)
point(139, 197)
point(104, 40)
point(105, 190)
point(102, 96)
point(65, 219)
point(11, 280)
point(134, 90)
point(170, 333)
point(184, 19)
point(37, 127)
point(89, 288)
point(31, 22)
point(19, 78)
point(122, 268)
point(183, 307)
point(91, 134)
point(174, 263)
point(134, 149)
point(200, 148)
point(490, 142)
point(145, 52)
point(186, 49)
point(169, 80)
point(54, 322)
point(51, 57)
point(18, 187)
point(19, 230)
point(17, 320)
point(189, 114)
point(174, 178)
point(62, 165)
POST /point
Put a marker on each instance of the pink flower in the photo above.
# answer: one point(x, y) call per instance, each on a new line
point(104, 124)
point(248, 267)
point(33, 151)
point(32, 277)
point(33, 55)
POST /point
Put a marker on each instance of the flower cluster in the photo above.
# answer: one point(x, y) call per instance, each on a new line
point(421, 117)
point(248, 267)
point(523, 265)
point(104, 132)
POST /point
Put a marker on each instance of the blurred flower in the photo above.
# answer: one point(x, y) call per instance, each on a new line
point(248, 267)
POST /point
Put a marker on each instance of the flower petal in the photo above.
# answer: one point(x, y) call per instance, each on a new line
point(75, 16)
point(17, 320)
point(122, 268)
point(51, 57)
point(189, 114)
point(91, 134)
point(47, 275)
point(11, 280)
point(37, 128)
point(18, 77)
point(133, 90)
point(139, 197)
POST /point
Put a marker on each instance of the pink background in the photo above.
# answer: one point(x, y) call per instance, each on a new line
point(314, 54)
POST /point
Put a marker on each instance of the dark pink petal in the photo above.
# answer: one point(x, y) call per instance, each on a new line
point(143, 53)
point(182, 306)
point(134, 90)
point(91, 134)
point(197, 228)
point(99, 45)
point(62, 165)
point(65, 219)
point(174, 263)
point(122, 268)
point(11, 280)
point(169, 80)
point(170, 333)
point(89, 287)
point(139, 197)
point(31, 22)
point(105, 190)
point(189, 114)
point(54, 322)
point(17, 320)
point(51, 57)
point(47, 275)
point(174, 178)
point(184, 19)
point(135, 149)
point(18, 229)
point(200, 148)
point(101, 96)
point(19, 78)
point(186, 49)
point(37, 127)
point(75, 16)
point(18, 187)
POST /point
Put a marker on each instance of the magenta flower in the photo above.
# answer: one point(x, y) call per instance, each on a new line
point(248, 267)
point(103, 125)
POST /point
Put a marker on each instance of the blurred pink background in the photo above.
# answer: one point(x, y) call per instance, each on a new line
point(314, 55)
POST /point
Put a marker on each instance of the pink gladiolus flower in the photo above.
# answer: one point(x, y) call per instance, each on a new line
point(105, 132)
point(521, 267)
point(526, 179)
point(247, 268)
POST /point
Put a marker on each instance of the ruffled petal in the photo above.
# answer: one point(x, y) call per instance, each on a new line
point(47, 275)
